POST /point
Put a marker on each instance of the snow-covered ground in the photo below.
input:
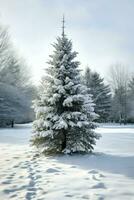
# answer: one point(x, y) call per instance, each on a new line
point(106, 174)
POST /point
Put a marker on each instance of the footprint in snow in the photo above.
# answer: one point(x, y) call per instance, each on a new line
point(68, 195)
point(87, 178)
point(16, 157)
point(30, 195)
point(95, 178)
point(15, 166)
point(9, 179)
point(86, 197)
point(6, 182)
point(7, 160)
point(13, 196)
point(73, 166)
point(21, 177)
point(11, 176)
point(38, 176)
point(99, 186)
point(52, 170)
point(38, 171)
point(23, 167)
point(93, 172)
point(100, 197)
point(102, 176)
point(14, 188)
point(18, 165)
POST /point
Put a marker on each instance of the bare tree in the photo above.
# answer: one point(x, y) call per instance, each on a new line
point(4, 39)
point(119, 80)
point(119, 76)
point(131, 99)
point(16, 88)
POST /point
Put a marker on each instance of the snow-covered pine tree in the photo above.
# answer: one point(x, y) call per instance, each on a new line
point(64, 110)
point(101, 94)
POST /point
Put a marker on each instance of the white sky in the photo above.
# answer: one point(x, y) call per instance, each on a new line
point(102, 31)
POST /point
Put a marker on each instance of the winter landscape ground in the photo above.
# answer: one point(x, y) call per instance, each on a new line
point(106, 174)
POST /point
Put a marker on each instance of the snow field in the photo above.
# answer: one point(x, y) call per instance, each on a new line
point(107, 174)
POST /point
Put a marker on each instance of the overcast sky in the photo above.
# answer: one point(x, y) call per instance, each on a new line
point(102, 31)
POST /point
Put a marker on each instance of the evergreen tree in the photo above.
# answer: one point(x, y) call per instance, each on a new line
point(64, 109)
point(101, 94)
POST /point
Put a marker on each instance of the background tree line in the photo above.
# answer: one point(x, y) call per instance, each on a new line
point(113, 102)
point(16, 88)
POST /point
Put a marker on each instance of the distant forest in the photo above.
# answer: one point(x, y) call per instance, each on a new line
point(113, 102)
point(16, 87)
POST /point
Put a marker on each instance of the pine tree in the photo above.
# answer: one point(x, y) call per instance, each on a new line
point(64, 109)
point(101, 94)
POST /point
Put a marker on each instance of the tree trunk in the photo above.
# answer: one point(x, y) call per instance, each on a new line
point(64, 140)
